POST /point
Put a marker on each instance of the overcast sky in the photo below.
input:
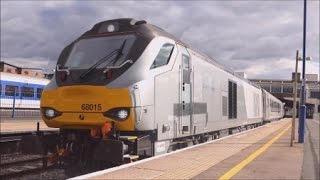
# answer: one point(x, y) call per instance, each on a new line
point(257, 37)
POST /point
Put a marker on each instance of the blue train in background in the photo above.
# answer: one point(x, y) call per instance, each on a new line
point(20, 92)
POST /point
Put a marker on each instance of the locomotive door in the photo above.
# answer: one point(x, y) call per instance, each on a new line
point(186, 102)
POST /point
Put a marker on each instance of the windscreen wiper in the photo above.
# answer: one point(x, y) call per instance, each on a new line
point(105, 58)
point(102, 60)
point(120, 54)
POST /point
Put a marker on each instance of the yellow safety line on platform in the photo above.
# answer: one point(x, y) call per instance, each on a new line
point(245, 162)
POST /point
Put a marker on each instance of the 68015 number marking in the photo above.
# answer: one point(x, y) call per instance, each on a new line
point(91, 107)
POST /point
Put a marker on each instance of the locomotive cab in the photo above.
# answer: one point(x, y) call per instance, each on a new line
point(79, 95)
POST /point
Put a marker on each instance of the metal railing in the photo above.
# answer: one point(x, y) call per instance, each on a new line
point(20, 105)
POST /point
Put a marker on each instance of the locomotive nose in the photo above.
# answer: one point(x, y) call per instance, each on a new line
point(87, 106)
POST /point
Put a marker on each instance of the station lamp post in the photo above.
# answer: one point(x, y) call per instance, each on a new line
point(294, 107)
point(302, 108)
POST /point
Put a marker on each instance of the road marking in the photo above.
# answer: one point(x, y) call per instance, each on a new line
point(315, 121)
point(254, 155)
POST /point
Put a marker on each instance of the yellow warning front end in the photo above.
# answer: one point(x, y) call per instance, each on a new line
point(86, 107)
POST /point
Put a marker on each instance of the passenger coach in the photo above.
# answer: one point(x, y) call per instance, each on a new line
point(20, 92)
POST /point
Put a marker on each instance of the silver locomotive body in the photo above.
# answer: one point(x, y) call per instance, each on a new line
point(191, 96)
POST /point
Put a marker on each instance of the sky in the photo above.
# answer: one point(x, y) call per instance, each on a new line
point(259, 38)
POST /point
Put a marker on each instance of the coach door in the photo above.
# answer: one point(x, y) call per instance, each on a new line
point(186, 101)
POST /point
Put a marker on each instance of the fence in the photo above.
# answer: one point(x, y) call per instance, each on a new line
point(20, 105)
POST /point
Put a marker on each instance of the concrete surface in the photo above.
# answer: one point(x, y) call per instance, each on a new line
point(279, 161)
point(22, 125)
point(311, 150)
point(194, 161)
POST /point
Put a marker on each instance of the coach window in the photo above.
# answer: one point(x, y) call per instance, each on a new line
point(9, 90)
point(275, 107)
point(163, 56)
point(0, 89)
point(27, 92)
point(232, 100)
point(39, 92)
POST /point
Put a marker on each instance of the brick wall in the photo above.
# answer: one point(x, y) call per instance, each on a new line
point(25, 72)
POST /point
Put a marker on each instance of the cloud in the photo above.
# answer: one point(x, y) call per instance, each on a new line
point(247, 36)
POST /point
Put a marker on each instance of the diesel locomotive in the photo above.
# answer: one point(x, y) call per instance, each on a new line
point(126, 89)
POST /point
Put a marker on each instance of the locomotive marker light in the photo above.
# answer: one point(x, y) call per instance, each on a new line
point(111, 28)
point(63, 73)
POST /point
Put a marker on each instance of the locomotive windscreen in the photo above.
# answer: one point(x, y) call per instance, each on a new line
point(87, 52)
point(110, 46)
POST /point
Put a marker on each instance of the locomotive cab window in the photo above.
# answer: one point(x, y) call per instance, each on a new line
point(99, 50)
point(163, 56)
point(9, 90)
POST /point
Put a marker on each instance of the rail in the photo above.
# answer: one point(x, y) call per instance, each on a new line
point(23, 167)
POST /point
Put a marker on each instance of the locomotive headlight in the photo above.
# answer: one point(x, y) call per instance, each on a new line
point(123, 114)
point(50, 113)
point(119, 114)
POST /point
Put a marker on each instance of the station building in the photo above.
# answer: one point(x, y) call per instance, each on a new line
point(32, 72)
point(283, 89)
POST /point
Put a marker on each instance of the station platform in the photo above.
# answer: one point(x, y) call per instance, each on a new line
point(22, 125)
point(260, 153)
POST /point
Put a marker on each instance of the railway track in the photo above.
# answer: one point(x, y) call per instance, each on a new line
point(9, 141)
point(23, 167)
point(15, 164)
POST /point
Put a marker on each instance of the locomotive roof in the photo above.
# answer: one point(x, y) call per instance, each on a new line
point(129, 25)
